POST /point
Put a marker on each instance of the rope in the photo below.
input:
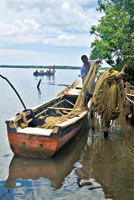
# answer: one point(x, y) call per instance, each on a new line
point(131, 95)
point(130, 100)
point(107, 98)
point(79, 105)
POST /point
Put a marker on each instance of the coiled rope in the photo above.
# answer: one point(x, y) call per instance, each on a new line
point(108, 97)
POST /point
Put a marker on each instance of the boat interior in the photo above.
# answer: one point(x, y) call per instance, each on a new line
point(55, 107)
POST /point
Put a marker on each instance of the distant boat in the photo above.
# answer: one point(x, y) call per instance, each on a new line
point(42, 73)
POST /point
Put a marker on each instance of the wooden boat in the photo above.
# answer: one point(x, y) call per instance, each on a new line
point(55, 169)
point(34, 141)
point(46, 73)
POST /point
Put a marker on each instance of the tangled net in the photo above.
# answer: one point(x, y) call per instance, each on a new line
point(79, 105)
point(108, 97)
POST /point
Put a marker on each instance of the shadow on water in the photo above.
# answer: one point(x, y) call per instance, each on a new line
point(55, 169)
point(109, 162)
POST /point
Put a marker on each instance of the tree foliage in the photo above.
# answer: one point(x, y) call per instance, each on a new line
point(114, 35)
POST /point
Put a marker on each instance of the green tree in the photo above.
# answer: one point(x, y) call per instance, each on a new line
point(114, 35)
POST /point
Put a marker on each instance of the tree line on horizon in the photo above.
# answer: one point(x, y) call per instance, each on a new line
point(39, 66)
point(43, 67)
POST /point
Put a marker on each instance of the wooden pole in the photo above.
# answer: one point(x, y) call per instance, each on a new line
point(14, 90)
point(38, 85)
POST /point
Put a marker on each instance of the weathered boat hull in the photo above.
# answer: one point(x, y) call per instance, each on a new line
point(39, 146)
point(32, 146)
point(39, 142)
point(42, 146)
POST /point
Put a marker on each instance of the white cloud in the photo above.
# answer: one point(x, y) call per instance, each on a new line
point(20, 31)
point(65, 5)
point(46, 22)
point(19, 27)
point(29, 21)
point(70, 40)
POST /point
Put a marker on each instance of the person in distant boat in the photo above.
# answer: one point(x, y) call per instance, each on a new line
point(41, 71)
point(49, 69)
point(84, 71)
point(53, 67)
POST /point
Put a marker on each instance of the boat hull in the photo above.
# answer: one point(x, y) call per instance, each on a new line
point(32, 145)
point(43, 74)
point(39, 146)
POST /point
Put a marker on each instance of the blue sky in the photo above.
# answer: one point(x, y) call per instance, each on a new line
point(46, 32)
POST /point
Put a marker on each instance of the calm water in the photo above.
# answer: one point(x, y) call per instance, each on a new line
point(89, 167)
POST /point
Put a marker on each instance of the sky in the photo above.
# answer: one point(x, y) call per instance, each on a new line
point(46, 32)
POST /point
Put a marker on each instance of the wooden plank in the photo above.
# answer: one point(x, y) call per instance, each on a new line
point(132, 95)
point(130, 100)
point(72, 120)
point(57, 108)
point(69, 102)
point(35, 131)
point(41, 112)
point(59, 102)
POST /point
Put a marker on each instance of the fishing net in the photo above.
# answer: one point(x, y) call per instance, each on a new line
point(79, 106)
point(108, 95)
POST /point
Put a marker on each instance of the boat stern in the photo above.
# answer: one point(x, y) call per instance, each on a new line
point(31, 141)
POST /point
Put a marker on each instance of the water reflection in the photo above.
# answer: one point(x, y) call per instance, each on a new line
point(109, 163)
point(55, 169)
point(46, 79)
point(39, 91)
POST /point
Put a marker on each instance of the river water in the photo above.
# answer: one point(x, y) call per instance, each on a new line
point(89, 167)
